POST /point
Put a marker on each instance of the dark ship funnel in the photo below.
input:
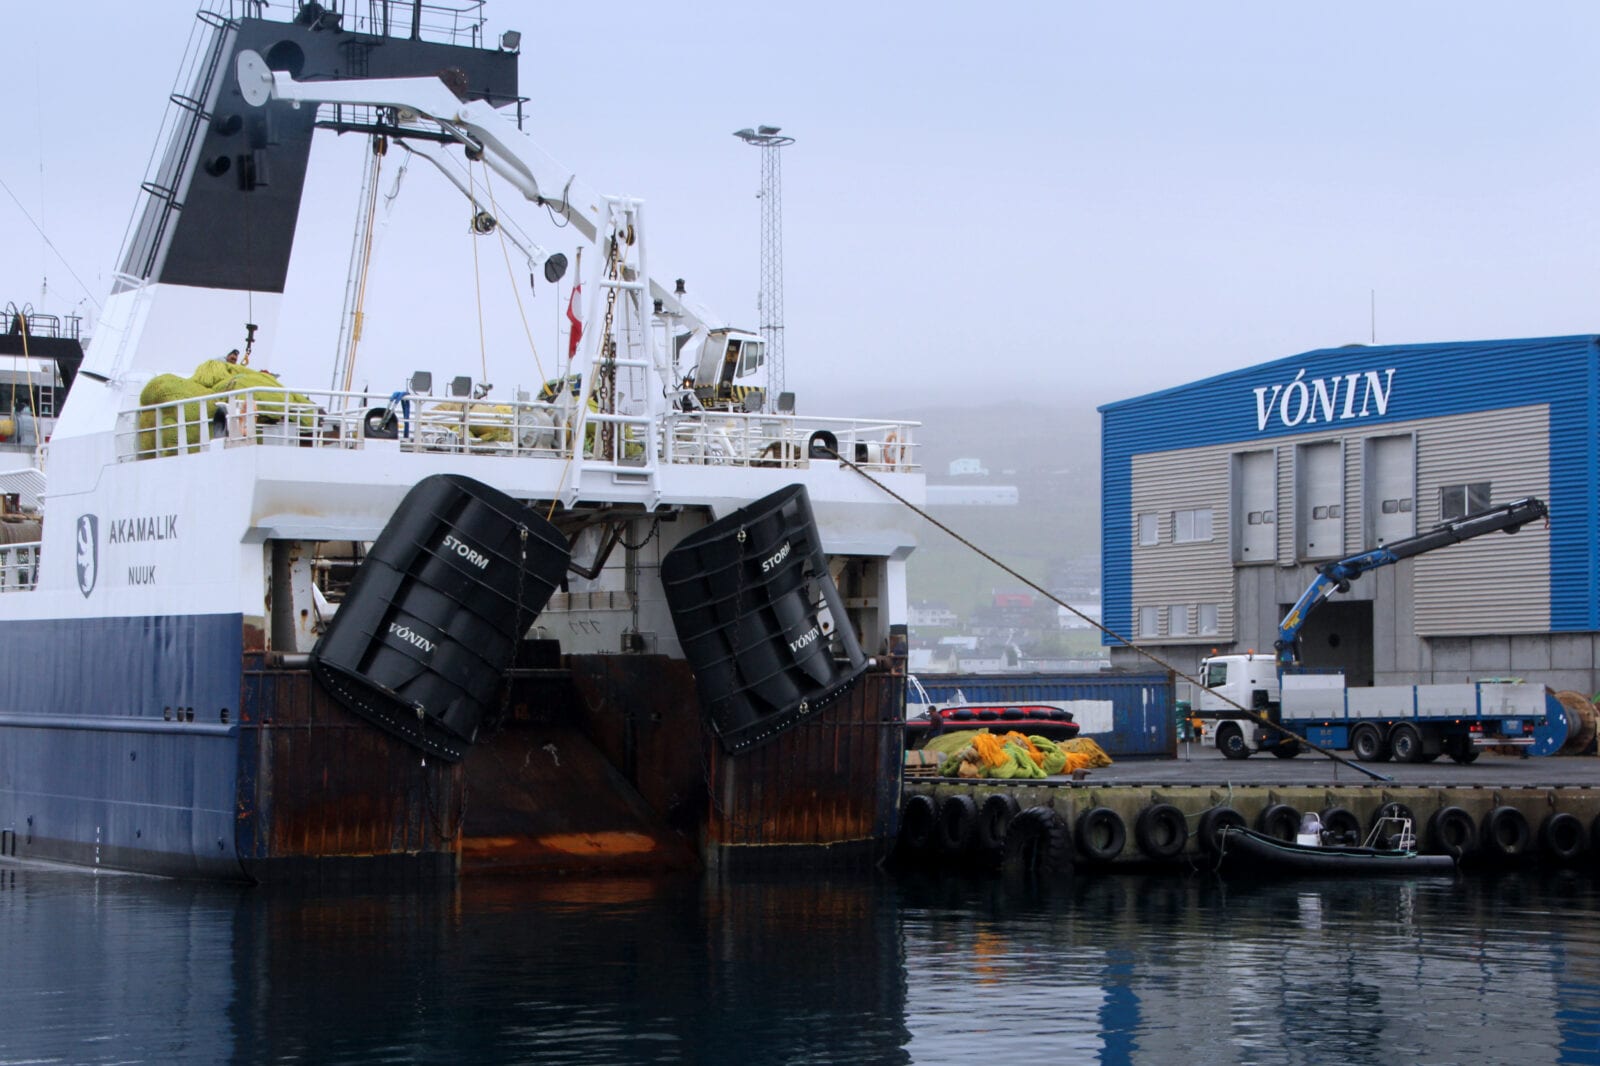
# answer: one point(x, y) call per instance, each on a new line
point(760, 619)
point(434, 614)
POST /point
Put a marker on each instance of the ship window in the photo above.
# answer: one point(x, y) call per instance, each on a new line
point(1148, 619)
point(1457, 501)
point(1207, 614)
point(750, 357)
point(1178, 620)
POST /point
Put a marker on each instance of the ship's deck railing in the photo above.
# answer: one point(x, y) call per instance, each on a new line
point(415, 423)
point(19, 566)
point(35, 324)
point(440, 21)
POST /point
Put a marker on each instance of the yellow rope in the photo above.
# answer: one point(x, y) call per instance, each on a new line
point(20, 317)
point(27, 370)
point(359, 314)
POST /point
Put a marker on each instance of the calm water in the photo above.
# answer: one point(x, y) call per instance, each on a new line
point(872, 970)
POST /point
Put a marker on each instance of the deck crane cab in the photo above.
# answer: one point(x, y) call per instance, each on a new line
point(728, 358)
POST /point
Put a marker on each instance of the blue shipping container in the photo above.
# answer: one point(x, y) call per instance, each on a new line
point(1126, 714)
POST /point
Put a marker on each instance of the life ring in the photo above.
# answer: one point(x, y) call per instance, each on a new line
point(1279, 820)
point(1101, 834)
point(1561, 836)
point(1161, 831)
point(1451, 831)
point(919, 818)
point(1212, 823)
point(1038, 842)
point(958, 823)
point(891, 450)
point(1343, 826)
point(1505, 833)
point(994, 821)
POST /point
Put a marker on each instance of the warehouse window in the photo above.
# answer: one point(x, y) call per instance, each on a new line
point(1456, 501)
point(1149, 528)
point(1178, 620)
point(1148, 620)
point(1190, 526)
point(1207, 613)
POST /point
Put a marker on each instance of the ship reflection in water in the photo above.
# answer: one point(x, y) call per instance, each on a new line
point(1108, 969)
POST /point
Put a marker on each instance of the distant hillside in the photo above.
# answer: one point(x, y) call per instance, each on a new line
point(1052, 455)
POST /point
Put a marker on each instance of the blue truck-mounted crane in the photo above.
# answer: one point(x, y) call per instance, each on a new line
point(1411, 723)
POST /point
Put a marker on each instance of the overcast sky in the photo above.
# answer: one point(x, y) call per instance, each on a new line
point(1064, 202)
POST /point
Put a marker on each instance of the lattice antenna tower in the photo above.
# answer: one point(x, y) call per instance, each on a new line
point(770, 301)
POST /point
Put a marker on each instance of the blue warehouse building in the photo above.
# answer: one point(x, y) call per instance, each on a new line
point(1221, 497)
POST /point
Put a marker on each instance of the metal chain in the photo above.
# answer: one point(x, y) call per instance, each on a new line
point(655, 527)
point(606, 386)
point(516, 631)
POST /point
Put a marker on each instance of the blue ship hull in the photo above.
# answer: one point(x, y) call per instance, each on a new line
point(158, 745)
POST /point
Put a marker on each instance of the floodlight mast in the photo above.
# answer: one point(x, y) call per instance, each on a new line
point(770, 140)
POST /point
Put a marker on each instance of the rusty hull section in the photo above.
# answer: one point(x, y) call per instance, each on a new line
point(542, 797)
point(603, 766)
point(826, 789)
point(321, 791)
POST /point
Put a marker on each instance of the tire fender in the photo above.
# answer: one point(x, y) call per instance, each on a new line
point(919, 819)
point(1451, 831)
point(1342, 823)
point(1101, 834)
point(1561, 837)
point(994, 821)
point(958, 824)
point(1212, 822)
point(1161, 831)
point(1038, 842)
point(1505, 833)
point(1279, 820)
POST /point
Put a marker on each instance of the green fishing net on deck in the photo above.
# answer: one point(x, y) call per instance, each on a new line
point(271, 406)
point(160, 430)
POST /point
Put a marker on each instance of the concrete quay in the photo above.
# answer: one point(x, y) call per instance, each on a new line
point(1502, 810)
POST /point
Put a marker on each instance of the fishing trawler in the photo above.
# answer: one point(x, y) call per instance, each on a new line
point(640, 615)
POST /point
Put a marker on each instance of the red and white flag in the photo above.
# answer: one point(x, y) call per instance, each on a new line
point(575, 319)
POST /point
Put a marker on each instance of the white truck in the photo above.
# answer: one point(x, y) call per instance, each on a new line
point(1409, 723)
